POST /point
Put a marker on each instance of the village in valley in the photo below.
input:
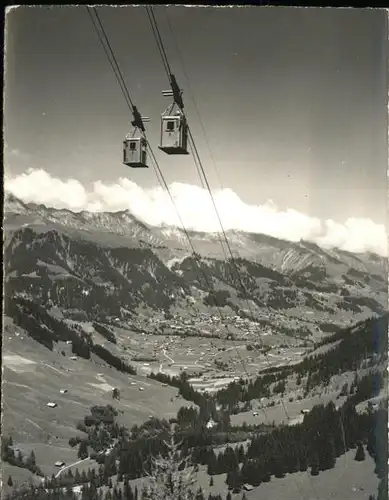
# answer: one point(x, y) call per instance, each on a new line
point(212, 352)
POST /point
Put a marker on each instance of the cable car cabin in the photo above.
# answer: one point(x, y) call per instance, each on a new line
point(135, 152)
point(174, 134)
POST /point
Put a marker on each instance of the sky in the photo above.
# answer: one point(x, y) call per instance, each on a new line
point(288, 108)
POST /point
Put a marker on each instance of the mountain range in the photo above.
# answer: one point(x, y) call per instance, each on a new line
point(114, 266)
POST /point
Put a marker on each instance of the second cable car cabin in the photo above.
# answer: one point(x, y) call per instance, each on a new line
point(174, 130)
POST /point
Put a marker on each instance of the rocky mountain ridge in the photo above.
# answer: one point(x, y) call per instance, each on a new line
point(112, 265)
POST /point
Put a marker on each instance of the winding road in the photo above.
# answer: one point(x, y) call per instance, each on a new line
point(70, 465)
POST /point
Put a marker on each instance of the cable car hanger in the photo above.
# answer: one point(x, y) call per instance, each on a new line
point(175, 91)
point(138, 121)
point(135, 143)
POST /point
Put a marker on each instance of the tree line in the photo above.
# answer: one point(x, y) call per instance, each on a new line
point(367, 340)
point(46, 330)
point(184, 388)
point(17, 459)
point(92, 490)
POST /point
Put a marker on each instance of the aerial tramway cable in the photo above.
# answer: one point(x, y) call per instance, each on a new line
point(203, 177)
point(109, 53)
point(116, 69)
point(220, 182)
point(181, 59)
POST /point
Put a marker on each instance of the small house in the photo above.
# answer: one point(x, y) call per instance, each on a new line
point(73, 358)
point(63, 391)
point(211, 424)
point(59, 463)
point(141, 389)
point(51, 405)
point(304, 412)
point(248, 487)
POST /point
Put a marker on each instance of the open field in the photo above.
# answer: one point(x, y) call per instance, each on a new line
point(34, 376)
point(277, 413)
point(20, 478)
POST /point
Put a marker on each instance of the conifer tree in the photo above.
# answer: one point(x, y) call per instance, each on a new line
point(212, 464)
point(31, 461)
point(199, 494)
point(85, 492)
point(146, 494)
point(171, 477)
point(315, 466)
point(77, 477)
point(360, 454)
point(383, 489)
point(82, 450)
point(9, 482)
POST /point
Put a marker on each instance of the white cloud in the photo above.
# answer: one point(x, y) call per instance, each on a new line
point(154, 207)
point(39, 187)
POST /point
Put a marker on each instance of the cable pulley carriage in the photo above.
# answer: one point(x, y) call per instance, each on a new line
point(135, 143)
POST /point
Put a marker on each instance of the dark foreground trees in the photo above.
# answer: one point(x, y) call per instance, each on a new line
point(170, 476)
point(360, 454)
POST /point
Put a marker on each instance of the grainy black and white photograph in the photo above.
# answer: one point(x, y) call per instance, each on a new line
point(195, 253)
